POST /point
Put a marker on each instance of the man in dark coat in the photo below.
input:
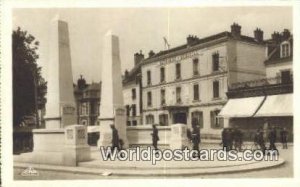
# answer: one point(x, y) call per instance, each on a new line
point(225, 139)
point(259, 139)
point(230, 138)
point(155, 137)
point(272, 138)
point(115, 138)
point(283, 137)
point(196, 139)
point(237, 136)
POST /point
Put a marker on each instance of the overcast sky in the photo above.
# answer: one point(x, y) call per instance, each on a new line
point(141, 29)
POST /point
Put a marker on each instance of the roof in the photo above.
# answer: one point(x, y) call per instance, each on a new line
point(274, 52)
point(225, 34)
point(93, 86)
point(132, 74)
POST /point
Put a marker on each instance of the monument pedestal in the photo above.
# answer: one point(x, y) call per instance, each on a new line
point(179, 138)
point(106, 131)
point(59, 146)
point(76, 148)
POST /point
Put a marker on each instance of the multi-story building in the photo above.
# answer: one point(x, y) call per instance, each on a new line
point(267, 102)
point(189, 82)
point(132, 92)
point(87, 101)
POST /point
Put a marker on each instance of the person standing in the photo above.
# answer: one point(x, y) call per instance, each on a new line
point(115, 139)
point(283, 137)
point(225, 139)
point(196, 139)
point(155, 137)
point(272, 139)
point(259, 140)
point(237, 138)
point(230, 138)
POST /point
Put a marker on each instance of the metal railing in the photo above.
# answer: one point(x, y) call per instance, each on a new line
point(261, 82)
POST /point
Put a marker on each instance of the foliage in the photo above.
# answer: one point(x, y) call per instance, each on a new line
point(26, 74)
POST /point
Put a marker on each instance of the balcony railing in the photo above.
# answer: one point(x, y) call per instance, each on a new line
point(262, 82)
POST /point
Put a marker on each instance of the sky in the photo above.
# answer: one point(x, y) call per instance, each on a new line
point(141, 29)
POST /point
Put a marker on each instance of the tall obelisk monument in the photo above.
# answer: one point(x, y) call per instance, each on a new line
point(112, 109)
point(60, 106)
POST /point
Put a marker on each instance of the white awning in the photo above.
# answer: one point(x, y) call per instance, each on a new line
point(91, 129)
point(277, 105)
point(241, 107)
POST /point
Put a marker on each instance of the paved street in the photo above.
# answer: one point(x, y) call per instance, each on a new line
point(285, 171)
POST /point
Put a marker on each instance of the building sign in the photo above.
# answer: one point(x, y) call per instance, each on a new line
point(120, 111)
point(81, 134)
point(70, 134)
point(179, 58)
point(68, 110)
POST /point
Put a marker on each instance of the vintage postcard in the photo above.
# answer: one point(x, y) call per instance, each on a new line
point(105, 93)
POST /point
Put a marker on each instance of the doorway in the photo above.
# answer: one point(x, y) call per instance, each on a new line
point(180, 117)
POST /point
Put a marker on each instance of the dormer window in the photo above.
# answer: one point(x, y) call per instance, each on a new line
point(285, 50)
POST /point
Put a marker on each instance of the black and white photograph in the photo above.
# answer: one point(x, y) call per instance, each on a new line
point(152, 92)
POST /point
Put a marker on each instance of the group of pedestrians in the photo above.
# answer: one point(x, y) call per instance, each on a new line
point(272, 137)
point(232, 138)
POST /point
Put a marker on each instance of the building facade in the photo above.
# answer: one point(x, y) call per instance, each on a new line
point(132, 92)
point(87, 102)
point(267, 102)
point(189, 82)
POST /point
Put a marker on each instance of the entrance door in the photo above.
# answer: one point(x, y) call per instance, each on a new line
point(180, 118)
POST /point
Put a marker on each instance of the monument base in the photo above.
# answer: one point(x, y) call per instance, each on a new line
point(179, 138)
point(105, 133)
point(47, 149)
point(59, 146)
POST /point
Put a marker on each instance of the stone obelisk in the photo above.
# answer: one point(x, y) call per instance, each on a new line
point(62, 142)
point(60, 106)
point(112, 111)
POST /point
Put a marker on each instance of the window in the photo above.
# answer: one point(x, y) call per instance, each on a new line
point(178, 71)
point(196, 92)
point(133, 110)
point(178, 94)
point(127, 110)
point(84, 108)
point(149, 99)
point(163, 120)
point(162, 97)
point(197, 118)
point(128, 123)
point(162, 74)
point(148, 77)
point(216, 122)
point(215, 60)
point(149, 119)
point(286, 77)
point(134, 123)
point(133, 93)
point(285, 50)
point(196, 66)
point(216, 93)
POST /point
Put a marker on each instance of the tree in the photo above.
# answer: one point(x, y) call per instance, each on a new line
point(29, 87)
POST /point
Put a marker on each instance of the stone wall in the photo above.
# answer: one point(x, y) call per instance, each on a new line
point(141, 136)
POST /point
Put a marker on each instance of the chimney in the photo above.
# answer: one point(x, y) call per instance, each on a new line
point(276, 37)
point(259, 35)
point(138, 57)
point(151, 54)
point(192, 40)
point(126, 73)
point(285, 34)
point(81, 83)
point(236, 30)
